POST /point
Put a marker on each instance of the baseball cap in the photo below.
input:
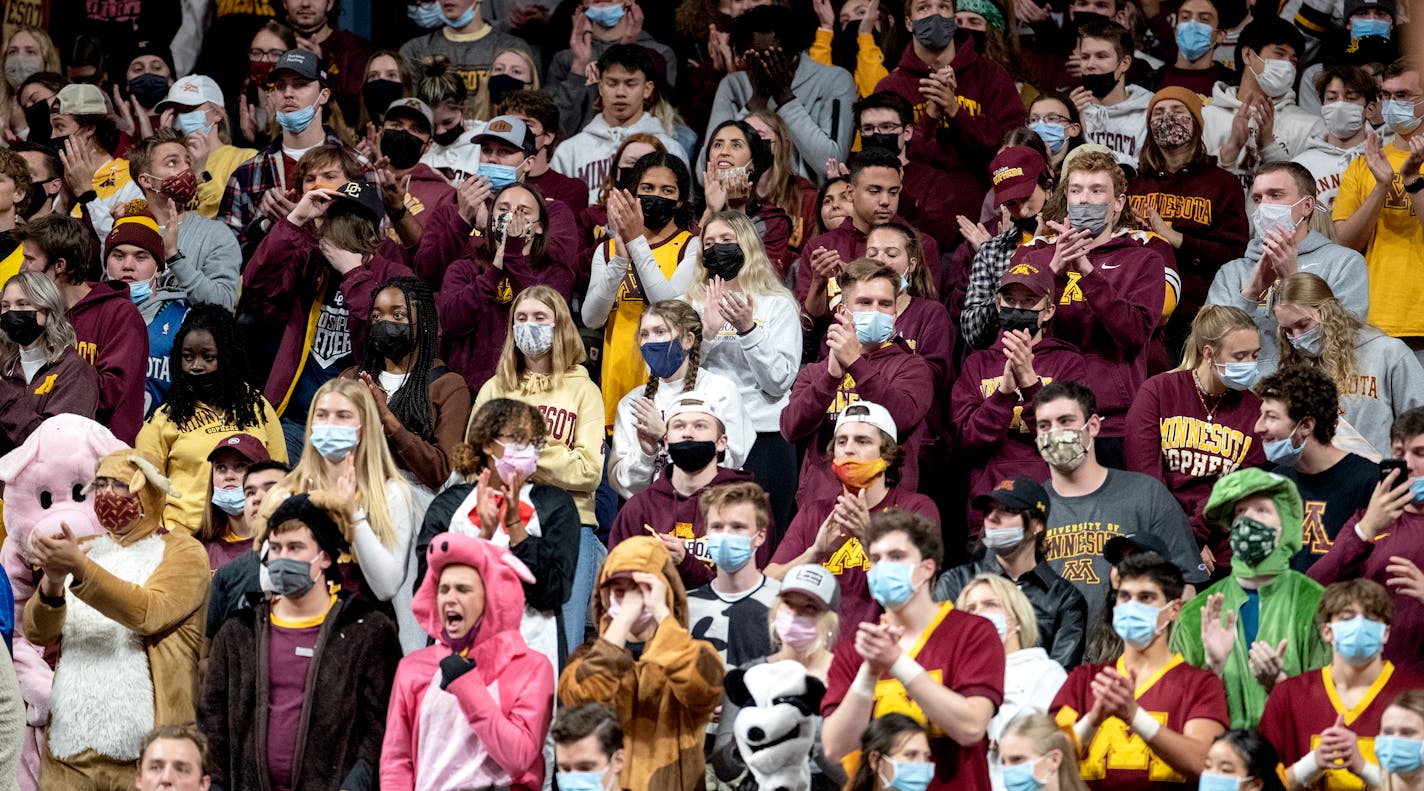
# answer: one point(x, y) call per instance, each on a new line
point(815, 581)
point(1015, 173)
point(1037, 279)
point(81, 99)
point(301, 63)
point(1370, 49)
point(244, 445)
point(1015, 494)
point(192, 91)
point(365, 197)
point(869, 412)
point(1353, 7)
point(412, 107)
point(696, 401)
point(1119, 547)
point(508, 129)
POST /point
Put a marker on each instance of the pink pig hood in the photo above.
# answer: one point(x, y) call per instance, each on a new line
point(503, 575)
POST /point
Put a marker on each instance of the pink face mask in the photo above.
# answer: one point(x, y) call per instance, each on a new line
point(519, 457)
point(645, 618)
point(797, 631)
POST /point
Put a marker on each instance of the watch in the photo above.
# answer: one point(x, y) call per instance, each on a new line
point(1415, 186)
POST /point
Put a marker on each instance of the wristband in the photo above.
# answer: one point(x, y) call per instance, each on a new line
point(88, 196)
point(53, 602)
point(1371, 775)
point(906, 670)
point(864, 683)
point(1144, 725)
point(175, 258)
point(1414, 186)
point(1084, 730)
point(1306, 770)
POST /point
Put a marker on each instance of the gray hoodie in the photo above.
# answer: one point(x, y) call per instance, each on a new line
point(211, 262)
point(588, 155)
point(1122, 126)
point(1391, 381)
point(1342, 269)
point(1293, 127)
point(574, 96)
point(1327, 164)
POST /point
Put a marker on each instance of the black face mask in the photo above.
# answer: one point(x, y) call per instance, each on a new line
point(1100, 85)
point(501, 86)
point(1028, 225)
point(57, 143)
point(449, 136)
point(624, 179)
point(392, 340)
point(1081, 18)
point(378, 95)
point(888, 142)
point(401, 147)
point(149, 89)
point(37, 118)
point(204, 386)
point(1011, 319)
point(21, 326)
point(657, 211)
point(723, 259)
point(692, 455)
point(979, 37)
point(38, 199)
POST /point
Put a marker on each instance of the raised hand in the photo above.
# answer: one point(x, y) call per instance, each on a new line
point(867, 22)
point(1217, 640)
point(1072, 244)
point(973, 232)
point(1267, 664)
point(486, 504)
point(843, 344)
point(877, 646)
point(650, 426)
point(312, 205)
point(825, 15)
point(737, 308)
point(472, 201)
point(581, 43)
point(1386, 504)
point(634, 28)
point(1377, 161)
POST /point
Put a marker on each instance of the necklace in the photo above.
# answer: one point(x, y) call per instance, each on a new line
point(1201, 396)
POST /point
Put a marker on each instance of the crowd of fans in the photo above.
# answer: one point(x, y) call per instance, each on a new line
point(781, 395)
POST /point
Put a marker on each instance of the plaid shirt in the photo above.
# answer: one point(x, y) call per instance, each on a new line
point(979, 320)
point(252, 179)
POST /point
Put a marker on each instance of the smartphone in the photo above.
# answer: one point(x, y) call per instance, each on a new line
point(1386, 466)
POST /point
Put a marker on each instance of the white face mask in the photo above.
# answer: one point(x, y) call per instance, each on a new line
point(1343, 119)
point(1275, 215)
point(1276, 78)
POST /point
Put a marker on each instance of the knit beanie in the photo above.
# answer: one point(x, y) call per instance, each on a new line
point(1186, 96)
point(138, 228)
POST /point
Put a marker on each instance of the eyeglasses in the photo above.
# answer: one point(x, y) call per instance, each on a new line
point(266, 54)
point(1051, 118)
point(882, 129)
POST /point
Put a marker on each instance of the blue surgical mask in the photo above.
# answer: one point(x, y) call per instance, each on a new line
point(1311, 342)
point(463, 19)
point(1284, 452)
point(140, 291)
point(1193, 39)
point(1417, 486)
point(872, 326)
point(231, 501)
point(426, 15)
point(580, 781)
point(1358, 640)
point(605, 15)
point(334, 442)
point(1136, 623)
point(1211, 781)
point(663, 357)
point(1019, 777)
point(1239, 376)
point(297, 121)
point(500, 176)
point(729, 551)
point(1399, 114)
point(194, 122)
point(1054, 135)
point(1398, 755)
point(1359, 28)
point(891, 583)
point(911, 776)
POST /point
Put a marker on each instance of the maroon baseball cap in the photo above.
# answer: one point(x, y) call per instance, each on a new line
point(1038, 279)
point(244, 445)
point(1015, 173)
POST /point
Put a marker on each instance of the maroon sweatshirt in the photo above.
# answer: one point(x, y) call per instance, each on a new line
point(933, 198)
point(849, 241)
point(892, 376)
point(430, 190)
point(995, 429)
point(848, 561)
point(112, 336)
point(573, 193)
point(666, 510)
point(448, 237)
point(1171, 437)
point(1110, 315)
point(1200, 81)
point(67, 385)
point(344, 56)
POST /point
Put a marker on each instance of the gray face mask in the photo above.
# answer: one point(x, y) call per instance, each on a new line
point(1090, 216)
point(290, 578)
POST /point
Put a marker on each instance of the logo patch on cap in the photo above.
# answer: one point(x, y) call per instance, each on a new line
point(1007, 172)
point(499, 125)
point(352, 188)
point(233, 440)
point(1023, 269)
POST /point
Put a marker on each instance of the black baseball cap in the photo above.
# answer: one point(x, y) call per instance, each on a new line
point(1016, 494)
point(1119, 547)
point(364, 197)
point(301, 63)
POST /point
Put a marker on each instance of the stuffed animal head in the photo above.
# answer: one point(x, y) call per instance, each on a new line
point(140, 471)
point(774, 727)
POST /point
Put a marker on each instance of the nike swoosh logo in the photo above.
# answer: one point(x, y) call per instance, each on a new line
point(1107, 266)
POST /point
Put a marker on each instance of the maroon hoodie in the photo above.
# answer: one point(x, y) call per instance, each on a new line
point(429, 190)
point(849, 241)
point(448, 237)
point(891, 376)
point(111, 335)
point(1110, 315)
point(663, 509)
point(1172, 437)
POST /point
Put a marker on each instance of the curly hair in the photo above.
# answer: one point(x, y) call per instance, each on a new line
point(240, 403)
point(1341, 327)
point(681, 319)
point(1307, 392)
point(411, 403)
point(497, 416)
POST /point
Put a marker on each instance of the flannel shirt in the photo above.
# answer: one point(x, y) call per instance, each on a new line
point(979, 319)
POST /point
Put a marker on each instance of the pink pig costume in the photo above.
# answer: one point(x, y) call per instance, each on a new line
point(488, 726)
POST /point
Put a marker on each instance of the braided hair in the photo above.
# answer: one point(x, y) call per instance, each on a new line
point(235, 397)
point(411, 403)
point(681, 318)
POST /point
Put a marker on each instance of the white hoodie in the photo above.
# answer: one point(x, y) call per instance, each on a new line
point(1121, 127)
point(588, 155)
point(1327, 163)
point(1294, 127)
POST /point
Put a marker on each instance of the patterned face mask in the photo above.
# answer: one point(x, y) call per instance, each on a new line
point(117, 512)
point(1252, 541)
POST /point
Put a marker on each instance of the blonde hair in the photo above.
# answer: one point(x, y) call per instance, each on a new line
point(1339, 326)
point(785, 191)
point(1044, 734)
point(1209, 328)
point(828, 628)
point(1011, 599)
point(1412, 701)
point(758, 277)
point(58, 333)
point(483, 111)
point(49, 60)
point(567, 351)
point(375, 467)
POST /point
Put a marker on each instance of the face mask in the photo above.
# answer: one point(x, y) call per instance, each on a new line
point(797, 631)
point(1398, 755)
point(1343, 119)
point(645, 618)
point(857, 474)
point(1358, 640)
point(1054, 135)
point(449, 136)
point(979, 37)
point(115, 511)
point(872, 326)
point(1251, 541)
point(38, 199)
point(934, 31)
point(463, 19)
point(291, 578)
point(231, 501)
point(1000, 622)
point(378, 95)
point(1417, 487)
point(1276, 78)
point(1136, 623)
point(21, 326)
point(1019, 777)
point(1002, 540)
point(1100, 85)
point(426, 15)
point(297, 121)
point(1399, 115)
point(1239, 376)
point(891, 583)
point(1062, 448)
point(1193, 39)
point(260, 71)
point(604, 15)
point(204, 386)
point(1311, 342)
point(1092, 217)
point(723, 259)
point(519, 457)
point(1014, 319)
point(664, 357)
point(657, 211)
point(392, 340)
point(401, 147)
point(1210, 781)
point(37, 119)
point(1028, 225)
point(729, 550)
point(194, 122)
point(692, 455)
point(149, 89)
point(890, 143)
point(580, 781)
point(500, 176)
point(1359, 28)
point(1172, 131)
point(904, 283)
point(334, 442)
point(1283, 452)
point(500, 86)
point(911, 776)
point(533, 339)
point(182, 187)
point(1269, 216)
point(19, 68)
point(140, 291)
